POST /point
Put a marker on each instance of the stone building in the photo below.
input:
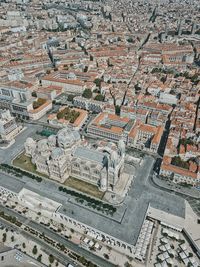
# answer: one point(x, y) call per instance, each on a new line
point(65, 154)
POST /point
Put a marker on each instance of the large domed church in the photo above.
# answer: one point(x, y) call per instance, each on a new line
point(65, 154)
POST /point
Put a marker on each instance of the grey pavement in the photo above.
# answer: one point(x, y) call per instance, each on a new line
point(6, 155)
point(52, 235)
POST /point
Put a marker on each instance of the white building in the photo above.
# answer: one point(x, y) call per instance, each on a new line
point(8, 126)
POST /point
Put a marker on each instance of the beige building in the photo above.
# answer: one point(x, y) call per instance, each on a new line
point(145, 137)
point(8, 126)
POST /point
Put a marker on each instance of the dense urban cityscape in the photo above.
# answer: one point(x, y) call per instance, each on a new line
point(99, 133)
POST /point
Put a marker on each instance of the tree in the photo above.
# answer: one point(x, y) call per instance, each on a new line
point(106, 256)
point(39, 258)
point(99, 97)
point(34, 94)
point(4, 237)
point(97, 81)
point(51, 258)
point(23, 245)
point(190, 254)
point(117, 110)
point(12, 238)
point(38, 103)
point(87, 93)
point(34, 251)
point(163, 79)
point(137, 87)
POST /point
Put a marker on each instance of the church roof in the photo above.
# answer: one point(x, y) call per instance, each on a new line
point(90, 154)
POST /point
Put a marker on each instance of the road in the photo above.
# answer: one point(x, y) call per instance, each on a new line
point(18, 146)
point(53, 235)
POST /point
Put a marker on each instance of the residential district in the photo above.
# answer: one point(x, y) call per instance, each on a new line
point(99, 133)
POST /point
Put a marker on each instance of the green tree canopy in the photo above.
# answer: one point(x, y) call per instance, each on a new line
point(87, 93)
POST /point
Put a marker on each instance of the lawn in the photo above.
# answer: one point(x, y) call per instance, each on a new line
point(24, 162)
point(84, 187)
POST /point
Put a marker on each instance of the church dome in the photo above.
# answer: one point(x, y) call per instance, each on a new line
point(57, 153)
point(30, 141)
point(42, 145)
point(52, 140)
point(67, 137)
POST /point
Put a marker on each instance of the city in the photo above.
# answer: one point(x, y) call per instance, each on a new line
point(99, 133)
